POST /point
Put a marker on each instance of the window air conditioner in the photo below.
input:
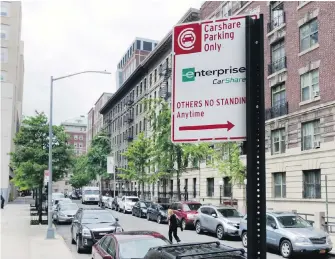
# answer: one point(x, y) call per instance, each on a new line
point(316, 94)
point(316, 144)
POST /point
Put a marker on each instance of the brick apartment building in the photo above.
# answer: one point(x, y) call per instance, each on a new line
point(300, 105)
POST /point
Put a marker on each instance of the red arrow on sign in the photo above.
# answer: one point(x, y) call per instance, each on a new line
point(227, 126)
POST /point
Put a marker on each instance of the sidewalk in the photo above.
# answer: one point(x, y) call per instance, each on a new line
point(20, 240)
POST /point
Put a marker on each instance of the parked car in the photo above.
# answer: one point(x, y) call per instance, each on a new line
point(196, 251)
point(89, 225)
point(158, 212)
point(54, 197)
point(130, 244)
point(126, 204)
point(115, 203)
point(140, 208)
point(59, 201)
point(223, 221)
point(291, 234)
point(104, 201)
point(64, 212)
point(74, 195)
point(186, 212)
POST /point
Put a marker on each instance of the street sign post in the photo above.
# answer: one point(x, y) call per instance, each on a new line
point(111, 170)
point(209, 81)
point(218, 96)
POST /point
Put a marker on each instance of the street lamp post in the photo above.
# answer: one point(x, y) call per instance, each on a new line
point(136, 190)
point(51, 230)
point(221, 184)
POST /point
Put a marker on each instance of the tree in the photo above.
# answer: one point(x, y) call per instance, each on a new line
point(226, 159)
point(138, 155)
point(31, 155)
point(97, 156)
point(81, 176)
point(169, 157)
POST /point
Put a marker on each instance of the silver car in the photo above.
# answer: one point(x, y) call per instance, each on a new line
point(224, 221)
point(65, 212)
point(291, 234)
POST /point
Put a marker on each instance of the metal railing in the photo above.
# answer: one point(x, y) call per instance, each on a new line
point(329, 225)
point(277, 65)
point(276, 111)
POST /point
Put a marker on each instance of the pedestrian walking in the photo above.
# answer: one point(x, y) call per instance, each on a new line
point(173, 226)
point(2, 201)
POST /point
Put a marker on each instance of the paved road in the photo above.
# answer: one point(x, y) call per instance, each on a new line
point(128, 222)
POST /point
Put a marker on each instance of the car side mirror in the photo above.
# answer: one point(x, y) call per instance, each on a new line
point(75, 221)
point(214, 216)
point(273, 225)
point(117, 219)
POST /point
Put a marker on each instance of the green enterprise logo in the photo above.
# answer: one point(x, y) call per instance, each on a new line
point(188, 74)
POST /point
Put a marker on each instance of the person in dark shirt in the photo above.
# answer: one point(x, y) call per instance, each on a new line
point(2, 202)
point(173, 226)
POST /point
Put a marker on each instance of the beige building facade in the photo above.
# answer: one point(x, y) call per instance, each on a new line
point(12, 77)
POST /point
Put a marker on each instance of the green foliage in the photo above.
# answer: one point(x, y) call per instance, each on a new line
point(80, 175)
point(169, 157)
point(97, 156)
point(226, 159)
point(31, 155)
point(138, 155)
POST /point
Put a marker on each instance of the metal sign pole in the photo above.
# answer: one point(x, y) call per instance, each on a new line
point(256, 187)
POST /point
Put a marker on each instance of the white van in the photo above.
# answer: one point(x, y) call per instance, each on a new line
point(90, 194)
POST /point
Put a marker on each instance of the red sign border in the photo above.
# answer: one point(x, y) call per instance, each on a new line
point(255, 16)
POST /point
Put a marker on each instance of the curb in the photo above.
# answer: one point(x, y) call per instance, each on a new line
point(68, 248)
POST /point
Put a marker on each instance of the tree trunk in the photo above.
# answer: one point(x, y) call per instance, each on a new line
point(40, 189)
point(179, 166)
point(36, 198)
point(178, 186)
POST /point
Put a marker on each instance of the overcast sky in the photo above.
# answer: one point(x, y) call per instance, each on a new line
point(63, 37)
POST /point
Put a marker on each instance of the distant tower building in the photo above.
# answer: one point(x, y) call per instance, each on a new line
point(133, 57)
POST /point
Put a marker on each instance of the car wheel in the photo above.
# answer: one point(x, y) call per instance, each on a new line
point(286, 249)
point(72, 240)
point(244, 239)
point(159, 219)
point(148, 217)
point(198, 227)
point(220, 232)
point(78, 246)
point(183, 223)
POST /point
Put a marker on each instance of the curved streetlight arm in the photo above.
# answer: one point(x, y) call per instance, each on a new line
point(83, 72)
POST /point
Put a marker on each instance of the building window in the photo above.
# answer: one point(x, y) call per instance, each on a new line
point(310, 85)
point(309, 35)
point(277, 15)
point(5, 6)
point(155, 75)
point(144, 122)
point(4, 31)
point(4, 55)
point(145, 85)
point(3, 76)
point(136, 129)
point(137, 109)
point(147, 46)
point(278, 141)
point(312, 184)
point(136, 91)
point(310, 137)
point(140, 108)
point(227, 187)
point(75, 137)
point(138, 44)
point(80, 145)
point(75, 144)
point(81, 137)
point(278, 95)
point(279, 183)
point(278, 58)
point(140, 130)
point(150, 80)
point(210, 187)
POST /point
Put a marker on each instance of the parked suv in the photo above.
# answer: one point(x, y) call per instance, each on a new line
point(196, 251)
point(224, 221)
point(127, 203)
point(186, 212)
point(291, 234)
point(90, 225)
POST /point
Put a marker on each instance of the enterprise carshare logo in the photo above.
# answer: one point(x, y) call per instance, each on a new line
point(188, 74)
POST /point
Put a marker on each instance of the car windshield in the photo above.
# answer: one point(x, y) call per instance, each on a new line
point(132, 199)
point(137, 248)
point(293, 221)
point(57, 195)
point(94, 217)
point(163, 206)
point(191, 206)
point(229, 213)
point(70, 206)
point(88, 192)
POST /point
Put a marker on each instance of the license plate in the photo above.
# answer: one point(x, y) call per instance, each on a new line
point(322, 251)
point(91, 199)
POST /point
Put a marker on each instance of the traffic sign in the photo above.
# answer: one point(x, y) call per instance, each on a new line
point(46, 176)
point(110, 165)
point(209, 81)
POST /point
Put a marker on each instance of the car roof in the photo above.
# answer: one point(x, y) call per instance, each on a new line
point(281, 213)
point(131, 235)
point(218, 207)
point(188, 202)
